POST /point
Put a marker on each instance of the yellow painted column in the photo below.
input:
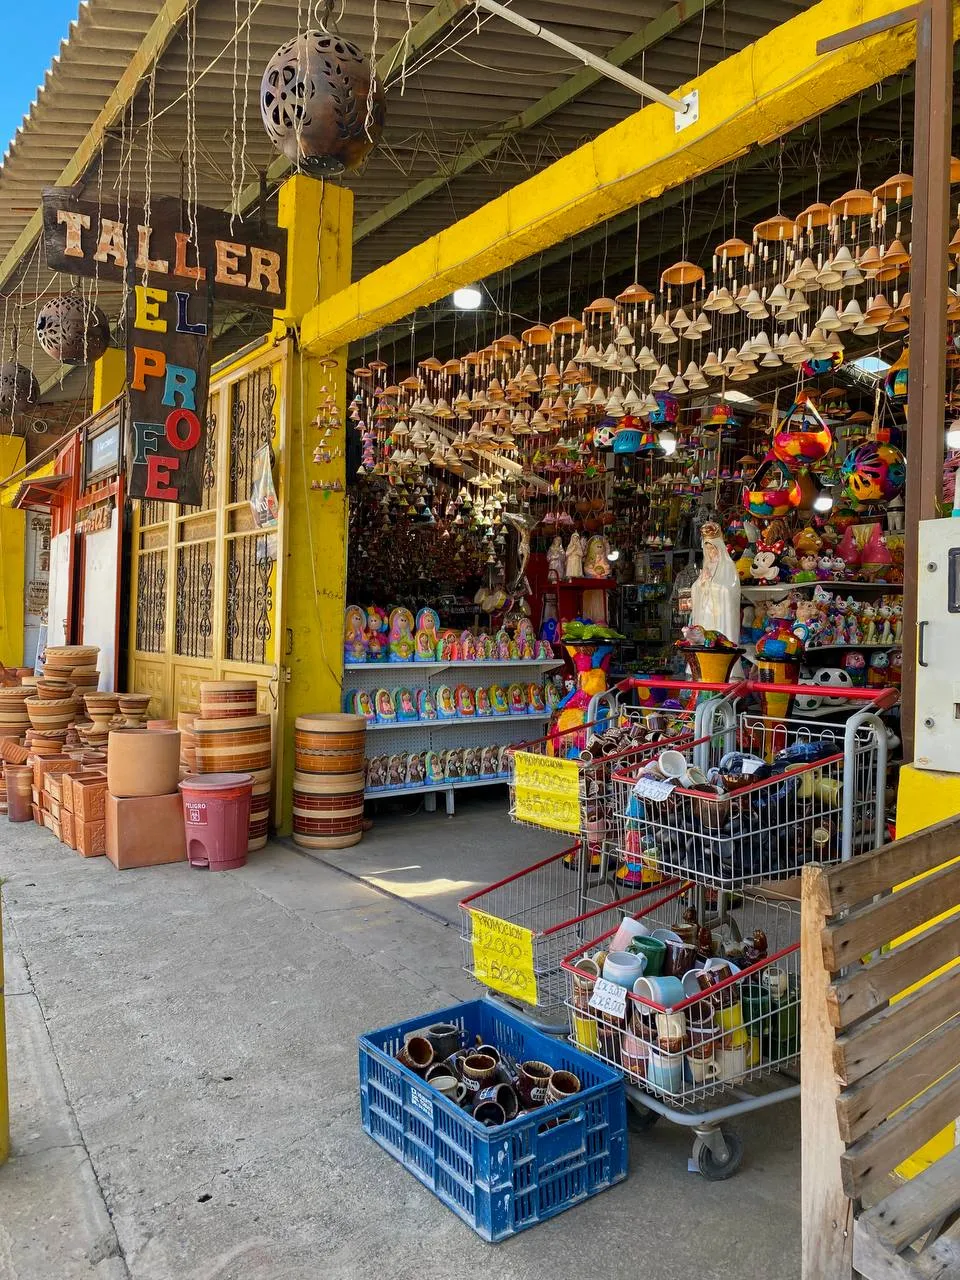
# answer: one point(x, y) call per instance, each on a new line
point(319, 221)
point(4, 1095)
point(925, 797)
point(109, 377)
point(13, 524)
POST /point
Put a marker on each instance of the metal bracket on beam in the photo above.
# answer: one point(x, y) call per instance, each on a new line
point(690, 114)
point(681, 106)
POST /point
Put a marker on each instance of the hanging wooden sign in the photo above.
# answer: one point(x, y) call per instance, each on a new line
point(168, 373)
point(179, 246)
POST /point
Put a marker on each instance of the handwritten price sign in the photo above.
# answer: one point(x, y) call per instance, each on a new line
point(546, 791)
point(503, 956)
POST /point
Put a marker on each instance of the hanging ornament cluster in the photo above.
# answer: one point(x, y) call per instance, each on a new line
point(318, 105)
point(72, 330)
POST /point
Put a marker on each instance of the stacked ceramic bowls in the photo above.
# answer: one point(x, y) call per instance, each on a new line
point(231, 737)
point(328, 782)
point(14, 720)
point(46, 715)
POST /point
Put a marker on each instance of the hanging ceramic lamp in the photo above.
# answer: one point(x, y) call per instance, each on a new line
point(19, 389)
point(72, 330)
point(897, 188)
point(683, 273)
point(318, 105)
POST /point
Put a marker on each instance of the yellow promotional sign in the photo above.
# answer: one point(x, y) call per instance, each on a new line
point(503, 956)
point(546, 792)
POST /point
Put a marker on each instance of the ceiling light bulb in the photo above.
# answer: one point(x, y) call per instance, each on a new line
point(953, 434)
point(613, 555)
point(823, 502)
point(467, 298)
point(667, 442)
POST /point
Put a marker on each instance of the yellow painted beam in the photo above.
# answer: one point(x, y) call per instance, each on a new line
point(109, 377)
point(755, 95)
point(319, 221)
point(12, 551)
point(151, 47)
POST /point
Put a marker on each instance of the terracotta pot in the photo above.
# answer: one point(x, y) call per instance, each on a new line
point(232, 745)
point(227, 699)
point(332, 743)
point(143, 762)
point(51, 715)
point(19, 779)
point(161, 724)
point(327, 811)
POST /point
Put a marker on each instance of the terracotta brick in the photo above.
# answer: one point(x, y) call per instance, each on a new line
point(89, 798)
point(90, 838)
point(145, 831)
point(66, 828)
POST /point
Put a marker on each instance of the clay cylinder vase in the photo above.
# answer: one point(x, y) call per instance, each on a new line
point(233, 745)
point(143, 762)
point(331, 743)
point(19, 780)
point(227, 699)
point(327, 811)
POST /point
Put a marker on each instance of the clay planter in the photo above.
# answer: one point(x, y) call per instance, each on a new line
point(19, 779)
point(227, 699)
point(331, 743)
point(233, 745)
point(13, 753)
point(51, 715)
point(134, 705)
point(50, 690)
point(107, 703)
point(85, 677)
point(64, 657)
point(327, 811)
point(143, 762)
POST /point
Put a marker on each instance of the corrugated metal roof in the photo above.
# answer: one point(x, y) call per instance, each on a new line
point(458, 92)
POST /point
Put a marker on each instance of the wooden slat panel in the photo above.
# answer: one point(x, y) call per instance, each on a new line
point(878, 1154)
point(909, 1211)
point(864, 877)
point(939, 1261)
point(870, 986)
point(875, 925)
point(892, 1085)
point(895, 1028)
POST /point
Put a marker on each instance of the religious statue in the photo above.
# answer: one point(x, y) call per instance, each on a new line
point(716, 592)
point(574, 557)
point(556, 560)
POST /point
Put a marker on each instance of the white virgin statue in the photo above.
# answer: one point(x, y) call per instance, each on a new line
point(716, 592)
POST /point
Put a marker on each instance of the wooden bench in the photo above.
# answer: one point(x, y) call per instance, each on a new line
point(881, 1076)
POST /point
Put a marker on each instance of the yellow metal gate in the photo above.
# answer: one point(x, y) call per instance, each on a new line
point(206, 584)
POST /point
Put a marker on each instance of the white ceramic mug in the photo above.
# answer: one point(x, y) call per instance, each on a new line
point(703, 1069)
point(777, 982)
point(732, 1063)
point(673, 765)
point(629, 929)
point(671, 1026)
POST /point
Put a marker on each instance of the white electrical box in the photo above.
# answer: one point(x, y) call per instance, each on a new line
point(937, 727)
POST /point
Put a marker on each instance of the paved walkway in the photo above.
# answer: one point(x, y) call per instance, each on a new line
point(184, 1092)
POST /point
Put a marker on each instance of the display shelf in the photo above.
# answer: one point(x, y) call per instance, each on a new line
point(380, 793)
point(759, 591)
point(451, 721)
point(486, 664)
point(860, 644)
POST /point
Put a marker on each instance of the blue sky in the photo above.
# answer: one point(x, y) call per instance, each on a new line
point(32, 31)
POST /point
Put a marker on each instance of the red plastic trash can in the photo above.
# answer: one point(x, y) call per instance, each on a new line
point(216, 815)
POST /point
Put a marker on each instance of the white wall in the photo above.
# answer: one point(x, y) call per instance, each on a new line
point(100, 597)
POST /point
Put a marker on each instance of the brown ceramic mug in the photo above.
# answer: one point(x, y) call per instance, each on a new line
point(503, 1094)
point(532, 1083)
point(417, 1054)
point(479, 1070)
point(563, 1084)
point(680, 957)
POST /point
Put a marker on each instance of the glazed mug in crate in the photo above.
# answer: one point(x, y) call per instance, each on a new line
point(417, 1053)
point(532, 1082)
point(479, 1070)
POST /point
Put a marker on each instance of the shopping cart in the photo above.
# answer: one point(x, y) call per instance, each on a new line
point(818, 797)
point(563, 781)
point(719, 1042)
point(516, 932)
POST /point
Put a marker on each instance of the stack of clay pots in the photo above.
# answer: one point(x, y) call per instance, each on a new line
point(103, 710)
point(328, 781)
point(231, 737)
point(188, 743)
point(14, 720)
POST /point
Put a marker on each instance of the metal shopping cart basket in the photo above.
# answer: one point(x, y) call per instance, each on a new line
point(759, 802)
point(516, 932)
point(712, 1039)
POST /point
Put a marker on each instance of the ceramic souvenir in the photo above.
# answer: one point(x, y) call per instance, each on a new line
point(595, 562)
point(808, 569)
point(428, 621)
point(378, 626)
point(855, 664)
point(404, 704)
point(488, 762)
point(449, 647)
point(504, 756)
point(453, 765)
point(425, 649)
point(463, 700)
point(397, 770)
point(498, 700)
point(446, 707)
point(552, 696)
point(426, 706)
point(482, 700)
point(468, 647)
point(384, 706)
point(485, 648)
point(535, 699)
point(417, 769)
point(355, 642)
point(502, 646)
point(516, 700)
point(878, 670)
point(363, 706)
point(471, 762)
point(556, 560)
point(401, 635)
point(433, 766)
point(573, 562)
point(766, 567)
point(544, 651)
point(376, 772)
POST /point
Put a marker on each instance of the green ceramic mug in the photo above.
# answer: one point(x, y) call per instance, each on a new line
point(654, 951)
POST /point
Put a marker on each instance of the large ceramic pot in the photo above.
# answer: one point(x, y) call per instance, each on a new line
point(227, 699)
point(54, 715)
point(327, 811)
point(143, 762)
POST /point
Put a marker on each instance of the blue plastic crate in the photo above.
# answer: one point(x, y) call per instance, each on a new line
point(505, 1179)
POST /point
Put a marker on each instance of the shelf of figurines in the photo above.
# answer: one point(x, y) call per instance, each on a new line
point(375, 638)
point(755, 592)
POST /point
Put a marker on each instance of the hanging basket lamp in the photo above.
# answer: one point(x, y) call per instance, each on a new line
point(19, 389)
point(72, 330)
point(315, 101)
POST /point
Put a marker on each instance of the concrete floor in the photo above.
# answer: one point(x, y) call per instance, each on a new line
point(184, 1092)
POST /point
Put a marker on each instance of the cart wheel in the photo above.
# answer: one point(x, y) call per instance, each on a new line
point(710, 1167)
point(640, 1118)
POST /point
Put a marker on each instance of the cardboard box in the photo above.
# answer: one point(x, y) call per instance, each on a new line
point(90, 838)
point(66, 828)
point(145, 831)
point(89, 798)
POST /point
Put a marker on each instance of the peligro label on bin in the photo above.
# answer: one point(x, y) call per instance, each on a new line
point(195, 812)
point(503, 956)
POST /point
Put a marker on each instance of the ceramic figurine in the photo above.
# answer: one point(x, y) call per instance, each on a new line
point(468, 647)
point(471, 762)
point(488, 762)
point(504, 756)
point(535, 698)
point(425, 649)
point(552, 696)
point(884, 623)
point(428, 621)
point(715, 593)
point(463, 700)
point(516, 699)
point(433, 767)
point(878, 670)
point(485, 649)
point(808, 569)
point(482, 700)
point(779, 641)
point(416, 769)
point(377, 627)
point(376, 772)
point(556, 560)
point(446, 707)
point(405, 705)
point(855, 665)
point(401, 635)
point(498, 700)
point(543, 651)
point(806, 620)
point(426, 706)
point(595, 562)
point(384, 706)
point(897, 621)
point(397, 770)
point(355, 642)
point(363, 706)
point(766, 568)
point(502, 646)
point(453, 766)
point(573, 562)
point(449, 648)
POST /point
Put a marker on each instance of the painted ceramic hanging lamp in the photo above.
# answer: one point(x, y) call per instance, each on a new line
point(317, 102)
